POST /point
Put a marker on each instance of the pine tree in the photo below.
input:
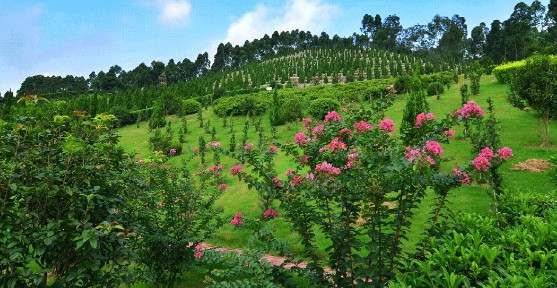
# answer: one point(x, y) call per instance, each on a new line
point(245, 135)
point(275, 116)
point(202, 149)
point(158, 118)
point(200, 117)
point(232, 142)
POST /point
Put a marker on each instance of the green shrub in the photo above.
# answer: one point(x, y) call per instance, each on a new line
point(402, 84)
point(190, 106)
point(504, 72)
point(292, 109)
point(435, 88)
point(158, 118)
point(320, 107)
point(160, 141)
point(240, 105)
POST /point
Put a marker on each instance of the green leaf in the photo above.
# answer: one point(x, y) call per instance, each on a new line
point(93, 242)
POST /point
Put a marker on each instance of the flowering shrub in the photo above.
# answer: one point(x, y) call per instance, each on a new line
point(358, 188)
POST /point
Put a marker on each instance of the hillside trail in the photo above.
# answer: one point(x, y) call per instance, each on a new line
point(271, 259)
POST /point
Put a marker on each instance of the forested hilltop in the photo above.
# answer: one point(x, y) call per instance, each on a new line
point(529, 29)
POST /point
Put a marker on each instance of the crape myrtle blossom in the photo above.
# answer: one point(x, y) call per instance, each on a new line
point(449, 133)
point(237, 219)
point(270, 213)
point(362, 126)
point(505, 153)
point(301, 138)
point(327, 169)
point(213, 144)
point(277, 182)
point(481, 163)
point(236, 169)
point(273, 149)
point(463, 176)
point(332, 116)
point(422, 117)
point(434, 148)
point(468, 110)
point(487, 153)
point(387, 126)
point(318, 130)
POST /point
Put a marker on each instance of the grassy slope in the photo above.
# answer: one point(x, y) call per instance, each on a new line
point(518, 131)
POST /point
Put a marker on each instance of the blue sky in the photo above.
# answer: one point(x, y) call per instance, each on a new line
point(77, 37)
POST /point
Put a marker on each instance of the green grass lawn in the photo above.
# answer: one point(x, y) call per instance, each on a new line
point(519, 131)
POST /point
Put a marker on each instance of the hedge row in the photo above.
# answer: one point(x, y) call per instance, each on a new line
point(504, 72)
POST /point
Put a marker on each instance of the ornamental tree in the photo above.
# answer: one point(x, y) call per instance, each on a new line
point(357, 185)
point(535, 86)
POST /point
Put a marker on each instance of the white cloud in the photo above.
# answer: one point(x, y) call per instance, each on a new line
point(174, 12)
point(307, 15)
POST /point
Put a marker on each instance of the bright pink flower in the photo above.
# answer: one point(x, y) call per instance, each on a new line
point(195, 150)
point(362, 126)
point(412, 154)
point(198, 255)
point(248, 147)
point(463, 177)
point(198, 247)
point(172, 151)
point(345, 131)
point(288, 172)
point(306, 122)
point(468, 110)
point(424, 117)
point(349, 165)
point(213, 144)
point(327, 168)
point(273, 149)
point(481, 163)
point(353, 156)
point(222, 186)
point(301, 138)
point(505, 153)
point(387, 125)
point(270, 213)
point(237, 219)
point(390, 87)
point(449, 133)
point(277, 182)
point(304, 159)
point(296, 181)
point(214, 168)
point(430, 160)
point(434, 148)
point(487, 153)
point(336, 144)
point(236, 169)
point(318, 130)
point(310, 176)
point(332, 116)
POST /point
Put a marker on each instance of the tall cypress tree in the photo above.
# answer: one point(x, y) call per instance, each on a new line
point(416, 103)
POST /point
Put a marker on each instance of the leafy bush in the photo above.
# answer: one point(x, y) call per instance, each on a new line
point(435, 88)
point(347, 170)
point(402, 84)
point(505, 72)
point(292, 109)
point(534, 85)
point(160, 141)
point(240, 105)
point(516, 247)
point(190, 106)
point(320, 107)
point(158, 117)
point(70, 176)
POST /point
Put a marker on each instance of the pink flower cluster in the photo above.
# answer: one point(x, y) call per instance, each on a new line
point(362, 126)
point(196, 150)
point(248, 147)
point(237, 219)
point(482, 162)
point(310, 176)
point(348, 165)
point(273, 149)
point(301, 138)
point(288, 172)
point(306, 122)
point(505, 153)
point(213, 144)
point(222, 186)
point(345, 132)
point(304, 159)
point(336, 144)
point(423, 117)
point(433, 147)
point(198, 254)
point(449, 133)
point(214, 168)
point(468, 110)
point(318, 130)
point(277, 182)
point(387, 125)
point(172, 151)
point(353, 156)
point(327, 168)
point(464, 178)
point(332, 116)
point(270, 213)
point(412, 154)
point(236, 169)
point(296, 181)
